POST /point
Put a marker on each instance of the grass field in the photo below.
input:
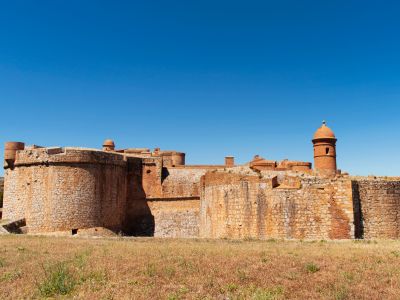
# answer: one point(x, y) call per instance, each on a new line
point(48, 267)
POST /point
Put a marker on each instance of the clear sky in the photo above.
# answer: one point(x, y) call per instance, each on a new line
point(210, 78)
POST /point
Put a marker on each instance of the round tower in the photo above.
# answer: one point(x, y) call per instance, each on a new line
point(325, 150)
point(10, 151)
point(108, 145)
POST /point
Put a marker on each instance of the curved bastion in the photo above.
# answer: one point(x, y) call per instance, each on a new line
point(377, 207)
point(66, 189)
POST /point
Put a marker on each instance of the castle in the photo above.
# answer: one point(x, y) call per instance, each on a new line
point(154, 193)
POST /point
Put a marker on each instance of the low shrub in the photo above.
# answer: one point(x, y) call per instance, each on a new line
point(312, 268)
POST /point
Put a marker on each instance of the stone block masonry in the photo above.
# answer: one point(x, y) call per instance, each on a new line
point(153, 193)
point(65, 190)
point(378, 207)
point(249, 206)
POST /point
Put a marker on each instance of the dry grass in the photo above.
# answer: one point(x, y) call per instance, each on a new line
point(46, 267)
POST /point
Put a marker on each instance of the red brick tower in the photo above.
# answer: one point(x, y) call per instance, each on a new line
point(325, 150)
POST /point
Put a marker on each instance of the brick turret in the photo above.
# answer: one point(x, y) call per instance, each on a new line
point(325, 150)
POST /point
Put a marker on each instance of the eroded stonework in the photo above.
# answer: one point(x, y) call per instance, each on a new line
point(249, 206)
point(154, 193)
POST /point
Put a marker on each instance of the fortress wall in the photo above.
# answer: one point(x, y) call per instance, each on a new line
point(181, 183)
point(240, 206)
point(167, 209)
point(13, 205)
point(175, 218)
point(379, 204)
point(139, 220)
point(65, 189)
point(176, 213)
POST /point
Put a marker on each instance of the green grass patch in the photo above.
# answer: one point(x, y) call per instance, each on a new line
point(312, 268)
point(10, 276)
point(150, 270)
point(268, 294)
point(58, 281)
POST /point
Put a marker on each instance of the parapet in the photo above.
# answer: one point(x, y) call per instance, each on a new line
point(136, 150)
point(294, 166)
point(59, 155)
point(262, 164)
point(171, 158)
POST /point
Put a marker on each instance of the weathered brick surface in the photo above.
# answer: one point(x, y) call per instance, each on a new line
point(171, 212)
point(176, 218)
point(61, 189)
point(239, 206)
point(182, 183)
point(176, 211)
point(379, 203)
point(66, 190)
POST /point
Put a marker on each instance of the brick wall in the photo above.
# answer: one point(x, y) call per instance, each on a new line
point(66, 189)
point(239, 206)
point(181, 183)
point(172, 213)
point(377, 203)
point(175, 218)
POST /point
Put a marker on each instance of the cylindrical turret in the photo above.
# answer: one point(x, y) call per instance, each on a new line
point(229, 161)
point(178, 159)
point(10, 151)
point(325, 150)
point(108, 145)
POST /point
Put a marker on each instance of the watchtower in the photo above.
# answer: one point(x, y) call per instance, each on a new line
point(108, 145)
point(325, 150)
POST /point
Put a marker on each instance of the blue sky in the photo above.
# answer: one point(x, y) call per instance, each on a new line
point(210, 78)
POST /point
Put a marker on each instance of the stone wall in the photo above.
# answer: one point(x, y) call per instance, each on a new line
point(181, 182)
point(166, 209)
point(66, 189)
point(256, 206)
point(175, 218)
point(377, 203)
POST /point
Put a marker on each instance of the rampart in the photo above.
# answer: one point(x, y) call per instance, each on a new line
point(377, 203)
point(64, 189)
point(168, 202)
point(275, 205)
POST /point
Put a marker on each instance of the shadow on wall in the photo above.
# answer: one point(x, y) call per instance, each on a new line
point(139, 220)
point(358, 215)
point(1, 193)
point(164, 174)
